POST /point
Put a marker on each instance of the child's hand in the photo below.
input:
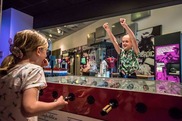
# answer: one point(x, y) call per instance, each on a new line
point(45, 63)
point(61, 102)
point(123, 21)
point(106, 26)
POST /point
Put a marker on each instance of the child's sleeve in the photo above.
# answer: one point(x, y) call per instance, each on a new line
point(34, 78)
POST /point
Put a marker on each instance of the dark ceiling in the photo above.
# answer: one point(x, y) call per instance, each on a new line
point(49, 13)
point(57, 19)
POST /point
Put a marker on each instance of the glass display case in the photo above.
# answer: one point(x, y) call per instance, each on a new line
point(141, 85)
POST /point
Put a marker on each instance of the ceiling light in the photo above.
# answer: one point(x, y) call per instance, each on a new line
point(50, 35)
point(58, 30)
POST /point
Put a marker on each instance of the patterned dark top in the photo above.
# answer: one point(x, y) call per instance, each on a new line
point(128, 61)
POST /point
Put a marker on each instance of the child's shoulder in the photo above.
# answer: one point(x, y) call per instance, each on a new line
point(26, 66)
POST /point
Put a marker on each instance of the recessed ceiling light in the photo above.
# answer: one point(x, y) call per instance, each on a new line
point(50, 35)
point(58, 30)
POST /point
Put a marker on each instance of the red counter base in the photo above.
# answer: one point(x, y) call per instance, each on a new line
point(115, 105)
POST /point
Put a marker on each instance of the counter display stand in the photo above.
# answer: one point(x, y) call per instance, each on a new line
point(113, 99)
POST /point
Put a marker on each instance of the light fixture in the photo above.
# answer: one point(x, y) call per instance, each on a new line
point(58, 30)
point(50, 35)
point(77, 55)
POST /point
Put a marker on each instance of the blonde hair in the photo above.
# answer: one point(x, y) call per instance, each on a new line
point(26, 41)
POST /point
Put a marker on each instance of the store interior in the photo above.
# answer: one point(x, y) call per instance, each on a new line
point(96, 45)
point(78, 44)
point(83, 43)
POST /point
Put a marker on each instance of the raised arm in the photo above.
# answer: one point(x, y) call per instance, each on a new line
point(131, 34)
point(112, 38)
